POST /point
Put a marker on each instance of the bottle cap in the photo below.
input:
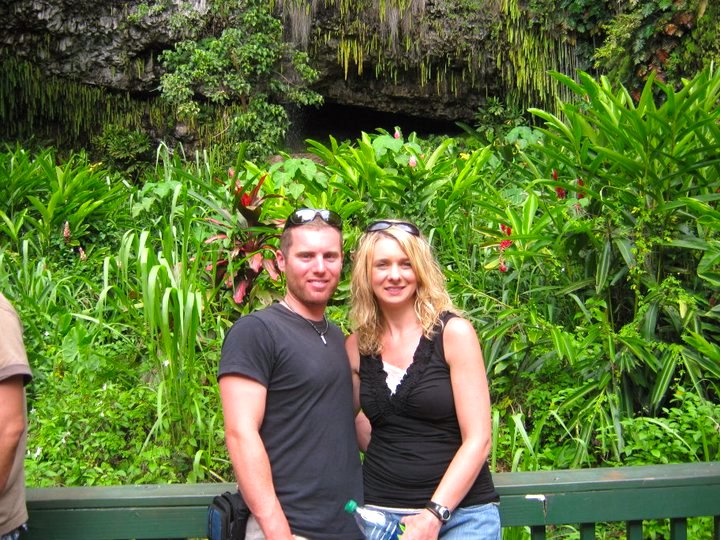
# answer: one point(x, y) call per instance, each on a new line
point(350, 506)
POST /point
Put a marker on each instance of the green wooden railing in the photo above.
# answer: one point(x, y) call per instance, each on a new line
point(580, 498)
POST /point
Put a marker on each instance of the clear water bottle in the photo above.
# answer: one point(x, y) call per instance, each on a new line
point(373, 524)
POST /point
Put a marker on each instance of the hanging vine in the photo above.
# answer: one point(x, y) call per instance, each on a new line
point(530, 53)
point(407, 36)
point(35, 105)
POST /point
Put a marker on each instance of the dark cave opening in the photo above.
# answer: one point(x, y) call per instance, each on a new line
point(345, 122)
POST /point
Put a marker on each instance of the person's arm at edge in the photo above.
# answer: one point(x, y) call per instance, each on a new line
point(243, 401)
point(12, 424)
point(362, 424)
point(472, 404)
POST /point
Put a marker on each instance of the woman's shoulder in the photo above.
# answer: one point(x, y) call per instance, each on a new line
point(457, 326)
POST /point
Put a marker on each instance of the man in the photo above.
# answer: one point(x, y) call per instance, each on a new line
point(286, 391)
point(14, 375)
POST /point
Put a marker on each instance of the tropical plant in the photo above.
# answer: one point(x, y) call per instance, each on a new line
point(60, 203)
point(248, 66)
point(126, 150)
point(244, 239)
point(586, 256)
point(622, 188)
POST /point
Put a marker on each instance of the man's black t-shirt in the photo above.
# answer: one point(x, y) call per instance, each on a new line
point(308, 429)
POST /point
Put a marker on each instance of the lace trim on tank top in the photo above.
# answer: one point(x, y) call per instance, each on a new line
point(394, 376)
point(378, 378)
point(386, 400)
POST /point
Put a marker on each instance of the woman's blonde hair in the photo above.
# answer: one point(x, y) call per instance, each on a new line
point(431, 298)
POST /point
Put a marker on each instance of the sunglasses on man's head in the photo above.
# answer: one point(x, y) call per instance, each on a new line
point(402, 225)
point(307, 215)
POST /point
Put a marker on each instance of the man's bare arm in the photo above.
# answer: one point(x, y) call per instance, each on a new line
point(12, 424)
point(243, 402)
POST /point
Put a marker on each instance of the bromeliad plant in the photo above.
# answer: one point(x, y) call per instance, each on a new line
point(244, 238)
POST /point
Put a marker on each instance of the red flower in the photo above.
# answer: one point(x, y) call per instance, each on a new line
point(505, 244)
point(561, 193)
point(503, 267)
point(249, 199)
point(504, 228)
point(554, 174)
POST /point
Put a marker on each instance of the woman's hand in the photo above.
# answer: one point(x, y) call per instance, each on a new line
point(422, 526)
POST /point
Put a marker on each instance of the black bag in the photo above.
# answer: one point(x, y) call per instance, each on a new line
point(227, 517)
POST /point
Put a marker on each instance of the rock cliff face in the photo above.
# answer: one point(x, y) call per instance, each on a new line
point(431, 60)
point(107, 43)
point(436, 59)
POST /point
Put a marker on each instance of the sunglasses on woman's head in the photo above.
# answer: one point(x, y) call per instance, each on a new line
point(303, 216)
point(402, 225)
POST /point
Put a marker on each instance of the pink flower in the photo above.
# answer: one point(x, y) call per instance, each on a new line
point(256, 262)
point(505, 244)
point(397, 134)
point(231, 172)
point(412, 162)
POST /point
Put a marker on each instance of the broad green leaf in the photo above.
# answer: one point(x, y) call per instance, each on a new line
point(603, 266)
point(668, 362)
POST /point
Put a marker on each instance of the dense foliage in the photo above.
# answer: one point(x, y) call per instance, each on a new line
point(585, 248)
point(248, 65)
point(669, 39)
point(586, 253)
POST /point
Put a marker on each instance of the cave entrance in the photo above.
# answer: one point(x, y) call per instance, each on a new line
point(347, 122)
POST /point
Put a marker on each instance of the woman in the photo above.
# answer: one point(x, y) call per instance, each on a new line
point(419, 377)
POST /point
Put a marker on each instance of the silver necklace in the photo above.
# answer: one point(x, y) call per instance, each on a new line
point(319, 332)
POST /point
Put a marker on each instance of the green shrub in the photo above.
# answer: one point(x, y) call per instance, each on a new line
point(125, 150)
point(249, 68)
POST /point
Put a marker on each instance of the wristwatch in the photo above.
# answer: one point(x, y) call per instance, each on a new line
point(441, 512)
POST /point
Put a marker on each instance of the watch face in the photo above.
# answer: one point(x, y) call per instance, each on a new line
point(442, 512)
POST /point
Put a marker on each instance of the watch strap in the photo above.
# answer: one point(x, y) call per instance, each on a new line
point(441, 512)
